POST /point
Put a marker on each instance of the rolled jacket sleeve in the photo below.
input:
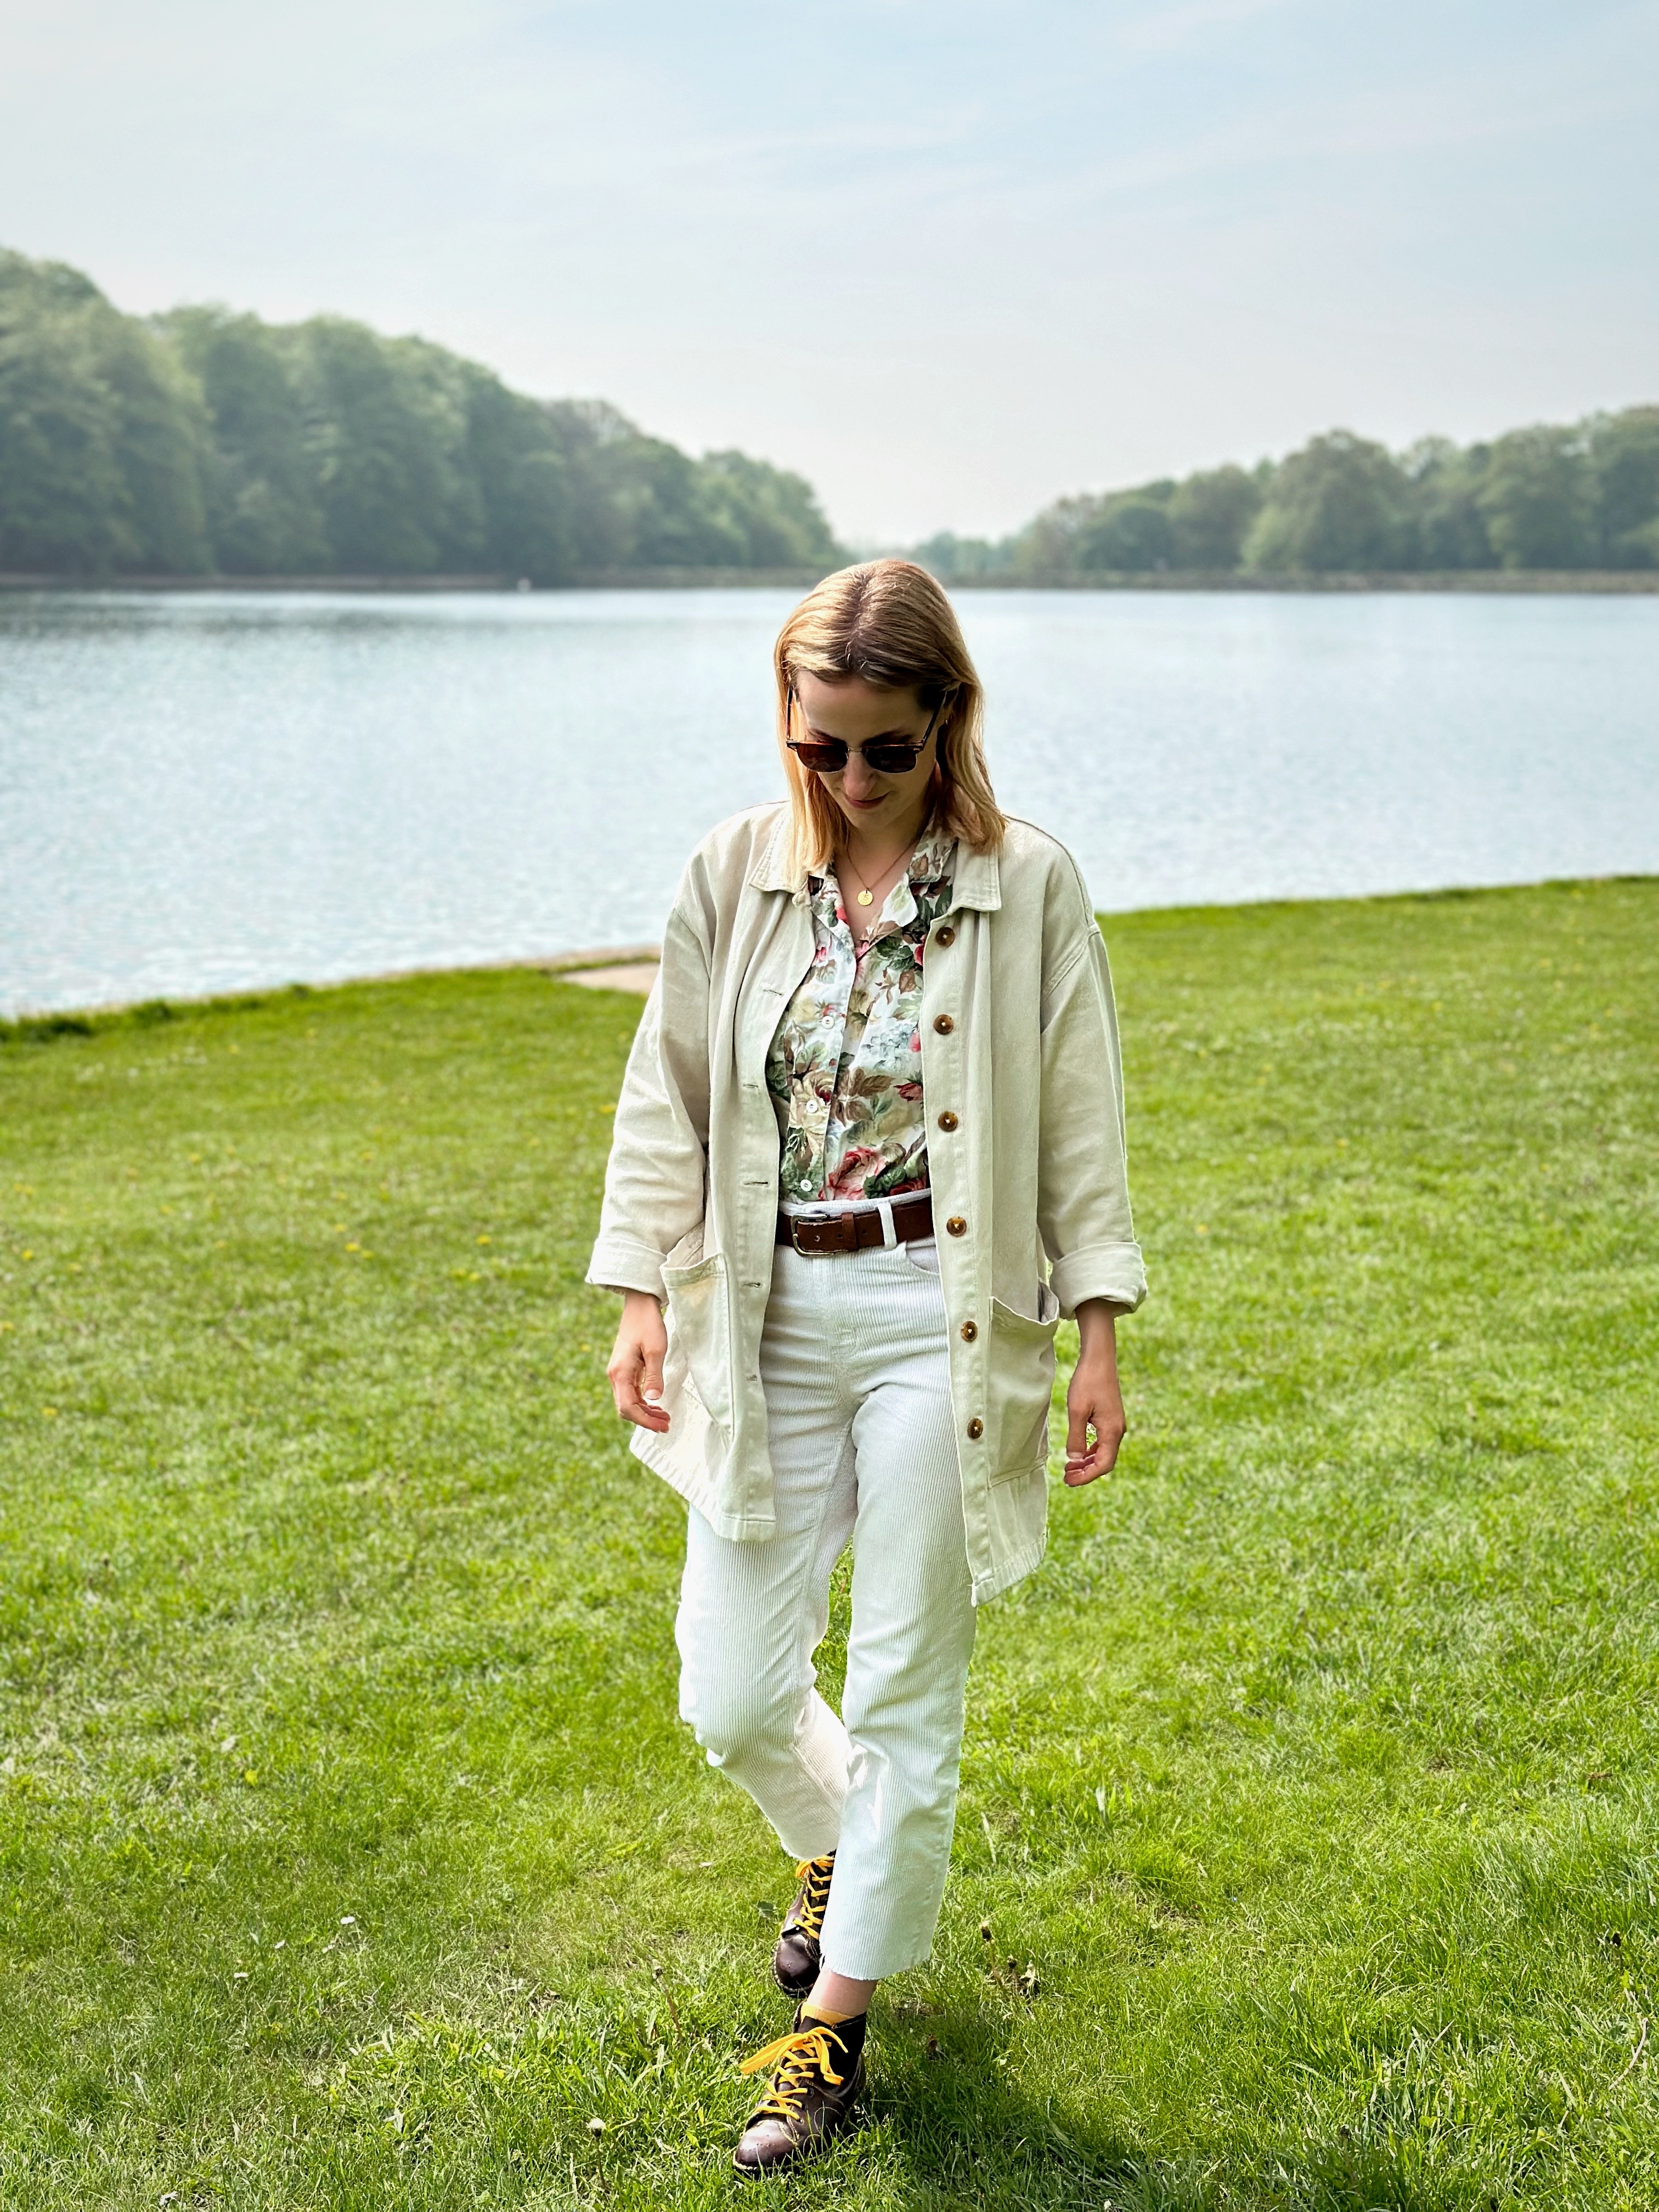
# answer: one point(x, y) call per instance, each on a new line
point(1083, 1189)
point(654, 1184)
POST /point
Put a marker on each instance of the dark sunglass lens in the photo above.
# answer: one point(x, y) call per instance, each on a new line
point(829, 755)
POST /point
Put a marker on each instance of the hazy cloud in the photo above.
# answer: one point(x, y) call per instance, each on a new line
point(949, 261)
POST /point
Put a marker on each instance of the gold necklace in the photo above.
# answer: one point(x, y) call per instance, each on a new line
point(867, 895)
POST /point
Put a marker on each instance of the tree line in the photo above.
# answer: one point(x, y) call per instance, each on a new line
point(1581, 496)
point(203, 442)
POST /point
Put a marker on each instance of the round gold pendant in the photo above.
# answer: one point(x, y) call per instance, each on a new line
point(865, 897)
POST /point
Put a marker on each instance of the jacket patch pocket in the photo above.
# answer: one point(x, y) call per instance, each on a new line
point(1021, 1387)
point(698, 1320)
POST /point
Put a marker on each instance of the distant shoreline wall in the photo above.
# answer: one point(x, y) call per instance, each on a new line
point(1617, 581)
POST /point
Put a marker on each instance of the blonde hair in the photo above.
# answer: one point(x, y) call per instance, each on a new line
point(889, 623)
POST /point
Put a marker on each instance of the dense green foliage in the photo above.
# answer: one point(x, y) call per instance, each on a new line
point(204, 443)
point(99, 433)
point(352, 1855)
point(1578, 498)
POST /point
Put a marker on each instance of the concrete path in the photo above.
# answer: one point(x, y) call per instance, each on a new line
point(633, 975)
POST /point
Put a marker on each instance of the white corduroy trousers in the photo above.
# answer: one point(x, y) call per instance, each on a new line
point(858, 1393)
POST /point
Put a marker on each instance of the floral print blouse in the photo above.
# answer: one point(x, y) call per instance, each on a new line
point(845, 1067)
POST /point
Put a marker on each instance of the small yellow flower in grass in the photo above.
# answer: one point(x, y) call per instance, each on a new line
point(484, 1240)
point(354, 1247)
point(7, 1327)
point(28, 1255)
point(250, 1774)
point(1203, 1227)
point(51, 1411)
point(607, 1109)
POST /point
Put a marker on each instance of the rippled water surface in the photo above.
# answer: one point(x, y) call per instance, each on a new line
point(208, 791)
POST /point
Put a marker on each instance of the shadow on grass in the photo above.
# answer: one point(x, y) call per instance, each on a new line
point(956, 2130)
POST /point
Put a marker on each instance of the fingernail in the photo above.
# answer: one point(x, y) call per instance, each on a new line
point(652, 1397)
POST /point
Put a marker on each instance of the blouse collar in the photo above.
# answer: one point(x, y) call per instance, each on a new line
point(977, 881)
point(931, 863)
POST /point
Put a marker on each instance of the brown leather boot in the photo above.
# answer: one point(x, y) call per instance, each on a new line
point(796, 1962)
point(818, 2073)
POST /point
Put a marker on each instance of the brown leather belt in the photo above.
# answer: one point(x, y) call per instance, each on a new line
point(838, 1229)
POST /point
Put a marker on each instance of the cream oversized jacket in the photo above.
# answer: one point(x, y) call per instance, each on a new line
point(1024, 1102)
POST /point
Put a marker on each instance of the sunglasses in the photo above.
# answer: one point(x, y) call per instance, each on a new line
point(887, 756)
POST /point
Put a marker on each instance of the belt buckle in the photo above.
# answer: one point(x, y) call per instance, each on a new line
point(813, 1217)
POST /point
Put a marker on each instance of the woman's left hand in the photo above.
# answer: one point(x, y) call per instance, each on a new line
point(1094, 1400)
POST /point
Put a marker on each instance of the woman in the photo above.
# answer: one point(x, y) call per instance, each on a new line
point(883, 1010)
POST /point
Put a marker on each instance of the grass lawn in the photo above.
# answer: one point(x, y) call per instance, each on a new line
point(351, 1853)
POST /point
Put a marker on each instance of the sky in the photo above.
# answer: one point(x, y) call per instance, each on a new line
point(950, 262)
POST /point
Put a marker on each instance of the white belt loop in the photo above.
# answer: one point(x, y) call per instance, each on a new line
point(889, 1234)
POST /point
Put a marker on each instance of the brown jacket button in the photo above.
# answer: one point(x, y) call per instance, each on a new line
point(947, 1120)
point(956, 1225)
point(970, 1331)
point(976, 1428)
point(944, 1024)
point(945, 936)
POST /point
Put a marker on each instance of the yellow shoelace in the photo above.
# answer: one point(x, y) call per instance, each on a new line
point(801, 2058)
point(814, 1876)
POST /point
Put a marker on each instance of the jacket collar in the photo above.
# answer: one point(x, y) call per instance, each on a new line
point(978, 880)
point(977, 883)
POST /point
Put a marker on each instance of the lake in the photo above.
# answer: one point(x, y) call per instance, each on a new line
point(206, 792)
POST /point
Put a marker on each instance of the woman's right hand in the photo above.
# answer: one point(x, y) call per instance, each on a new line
point(635, 1368)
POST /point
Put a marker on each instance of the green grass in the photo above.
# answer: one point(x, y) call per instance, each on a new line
point(351, 1853)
